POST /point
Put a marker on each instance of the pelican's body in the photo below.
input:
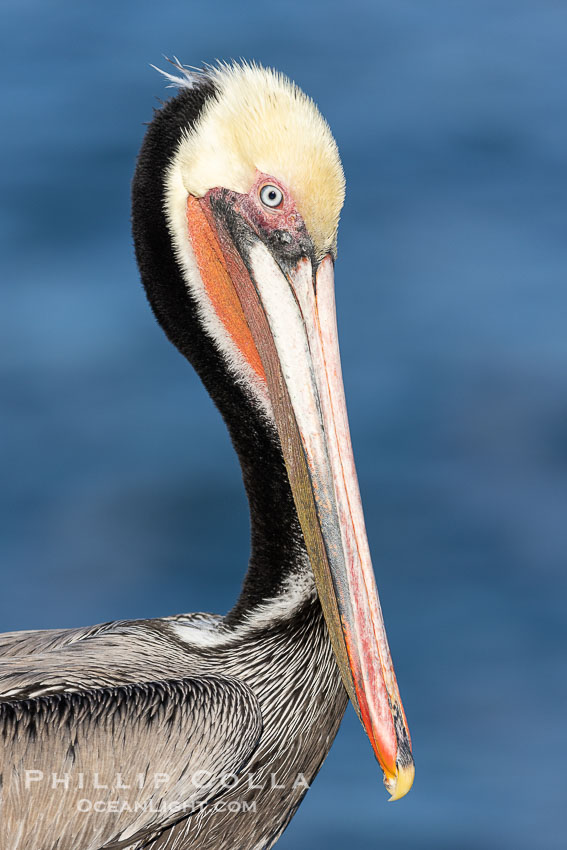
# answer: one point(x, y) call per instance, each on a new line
point(198, 731)
point(281, 719)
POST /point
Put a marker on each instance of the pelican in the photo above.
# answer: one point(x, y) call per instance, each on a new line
point(197, 731)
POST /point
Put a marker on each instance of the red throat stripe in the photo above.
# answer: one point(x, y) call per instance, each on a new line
point(215, 271)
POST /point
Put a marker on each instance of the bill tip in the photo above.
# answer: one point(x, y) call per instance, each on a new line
point(400, 784)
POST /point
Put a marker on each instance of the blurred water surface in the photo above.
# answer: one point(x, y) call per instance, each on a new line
point(120, 494)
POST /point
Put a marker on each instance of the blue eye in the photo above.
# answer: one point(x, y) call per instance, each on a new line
point(271, 196)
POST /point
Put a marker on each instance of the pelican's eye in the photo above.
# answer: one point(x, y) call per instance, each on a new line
point(271, 196)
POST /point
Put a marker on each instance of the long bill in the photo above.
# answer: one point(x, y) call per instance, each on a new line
point(291, 319)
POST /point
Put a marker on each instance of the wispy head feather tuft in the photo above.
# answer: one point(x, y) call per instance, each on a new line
point(190, 77)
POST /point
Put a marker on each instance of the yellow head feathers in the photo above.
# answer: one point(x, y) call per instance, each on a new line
point(261, 121)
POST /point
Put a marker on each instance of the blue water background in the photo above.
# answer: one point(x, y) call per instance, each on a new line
point(121, 496)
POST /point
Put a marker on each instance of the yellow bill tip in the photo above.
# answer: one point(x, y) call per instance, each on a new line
point(400, 784)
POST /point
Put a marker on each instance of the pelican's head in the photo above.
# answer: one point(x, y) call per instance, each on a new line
point(252, 192)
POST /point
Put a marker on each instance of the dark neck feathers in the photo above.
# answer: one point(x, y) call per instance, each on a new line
point(277, 546)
